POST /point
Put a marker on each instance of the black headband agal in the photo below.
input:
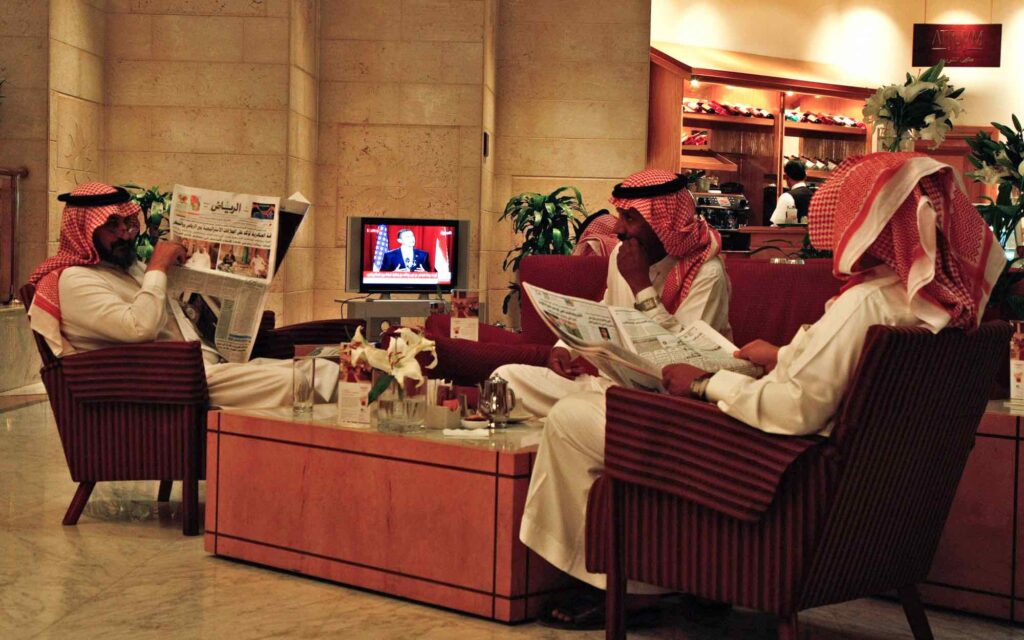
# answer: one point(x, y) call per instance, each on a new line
point(652, 191)
point(119, 196)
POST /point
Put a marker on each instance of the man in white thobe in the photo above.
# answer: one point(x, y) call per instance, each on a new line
point(666, 266)
point(898, 277)
point(93, 294)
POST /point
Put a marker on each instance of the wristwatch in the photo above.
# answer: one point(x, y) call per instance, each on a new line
point(646, 305)
point(699, 387)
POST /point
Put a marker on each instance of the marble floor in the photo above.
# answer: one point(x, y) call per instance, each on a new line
point(126, 572)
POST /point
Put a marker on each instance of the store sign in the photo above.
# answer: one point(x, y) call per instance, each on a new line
point(960, 45)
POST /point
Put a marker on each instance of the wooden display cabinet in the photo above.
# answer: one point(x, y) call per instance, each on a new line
point(748, 150)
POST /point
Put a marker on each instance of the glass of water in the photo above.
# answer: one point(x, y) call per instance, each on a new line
point(303, 384)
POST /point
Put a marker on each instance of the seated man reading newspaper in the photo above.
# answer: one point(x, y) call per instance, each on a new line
point(666, 266)
point(915, 253)
point(93, 294)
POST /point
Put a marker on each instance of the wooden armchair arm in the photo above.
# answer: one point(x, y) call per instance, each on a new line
point(692, 450)
point(146, 373)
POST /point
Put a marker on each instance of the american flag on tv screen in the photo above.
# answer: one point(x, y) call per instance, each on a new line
point(381, 247)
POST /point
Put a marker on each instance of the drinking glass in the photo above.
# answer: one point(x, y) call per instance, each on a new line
point(303, 385)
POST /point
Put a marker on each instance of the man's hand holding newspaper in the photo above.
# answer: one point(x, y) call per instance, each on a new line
point(629, 347)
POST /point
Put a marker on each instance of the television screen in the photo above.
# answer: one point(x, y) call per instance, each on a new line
point(408, 255)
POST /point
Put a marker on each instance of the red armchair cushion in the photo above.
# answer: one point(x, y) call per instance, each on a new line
point(579, 276)
point(439, 326)
point(771, 301)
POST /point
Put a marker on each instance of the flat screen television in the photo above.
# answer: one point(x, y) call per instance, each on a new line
point(407, 255)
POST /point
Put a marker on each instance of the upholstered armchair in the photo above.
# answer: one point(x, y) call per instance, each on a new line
point(769, 301)
point(117, 425)
point(694, 501)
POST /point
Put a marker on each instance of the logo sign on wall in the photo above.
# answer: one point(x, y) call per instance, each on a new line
point(960, 45)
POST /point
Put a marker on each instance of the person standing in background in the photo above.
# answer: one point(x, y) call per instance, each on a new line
point(798, 196)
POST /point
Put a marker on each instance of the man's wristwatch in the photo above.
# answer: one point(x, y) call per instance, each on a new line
point(699, 387)
point(646, 304)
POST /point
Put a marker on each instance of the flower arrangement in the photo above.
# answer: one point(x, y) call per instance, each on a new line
point(926, 105)
point(397, 362)
point(1001, 164)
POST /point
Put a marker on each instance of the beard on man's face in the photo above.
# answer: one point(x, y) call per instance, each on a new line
point(121, 252)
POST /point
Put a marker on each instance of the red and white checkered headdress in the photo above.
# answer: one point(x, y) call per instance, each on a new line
point(909, 211)
point(599, 238)
point(673, 216)
point(76, 249)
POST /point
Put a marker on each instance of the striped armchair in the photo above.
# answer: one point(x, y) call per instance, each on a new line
point(115, 425)
point(697, 502)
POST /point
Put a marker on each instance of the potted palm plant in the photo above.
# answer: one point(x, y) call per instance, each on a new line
point(548, 223)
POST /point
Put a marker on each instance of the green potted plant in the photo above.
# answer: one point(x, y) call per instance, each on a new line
point(155, 205)
point(548, 223)
point(1001, 164)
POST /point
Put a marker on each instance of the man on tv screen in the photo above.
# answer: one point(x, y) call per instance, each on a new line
point(406, 257)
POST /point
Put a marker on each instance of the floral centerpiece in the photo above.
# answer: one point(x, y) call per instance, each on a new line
point(1001, 163)
point(398, 377)
point(925, 106)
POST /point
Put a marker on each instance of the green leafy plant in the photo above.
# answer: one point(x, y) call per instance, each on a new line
point(549, 225)
point(155, 205)
point(1001, 163)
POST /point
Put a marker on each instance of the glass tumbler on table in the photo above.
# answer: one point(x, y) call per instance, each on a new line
point(303, 384)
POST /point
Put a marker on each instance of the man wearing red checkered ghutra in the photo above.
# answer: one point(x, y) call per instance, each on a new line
point(666, 265)
point(914, 252)
point(93, 294)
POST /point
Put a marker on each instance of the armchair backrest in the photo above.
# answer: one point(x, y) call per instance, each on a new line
point(901, 439)
point(28, 292)
point(771, 301)
point(579, 276)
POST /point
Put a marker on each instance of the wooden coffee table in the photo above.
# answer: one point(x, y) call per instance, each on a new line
point(420, 516)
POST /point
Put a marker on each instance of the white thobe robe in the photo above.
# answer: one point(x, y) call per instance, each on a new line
point(539, 388)
point(105, 306)
point(800, 396)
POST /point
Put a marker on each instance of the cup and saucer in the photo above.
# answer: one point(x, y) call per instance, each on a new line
point(519, 414)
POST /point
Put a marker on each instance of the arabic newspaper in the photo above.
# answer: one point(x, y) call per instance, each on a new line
point(232, 252)
point(629, 347)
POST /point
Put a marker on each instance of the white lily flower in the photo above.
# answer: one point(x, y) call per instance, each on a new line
point(990, 174)
point(399, 359)
point(910, 93)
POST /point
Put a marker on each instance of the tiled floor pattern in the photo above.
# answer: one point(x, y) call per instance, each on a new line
point(126, 572)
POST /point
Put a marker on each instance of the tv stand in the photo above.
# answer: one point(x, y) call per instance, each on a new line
point(386, 309)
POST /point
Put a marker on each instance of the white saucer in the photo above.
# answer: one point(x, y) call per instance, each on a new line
point(474, 424)
point(519, 416)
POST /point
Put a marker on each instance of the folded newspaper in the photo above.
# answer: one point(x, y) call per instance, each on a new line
point(629, 347)
point(234, 244)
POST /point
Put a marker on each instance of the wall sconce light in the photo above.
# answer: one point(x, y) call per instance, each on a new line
point(694, 83)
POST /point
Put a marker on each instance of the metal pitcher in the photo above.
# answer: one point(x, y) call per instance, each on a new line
point(497, 400)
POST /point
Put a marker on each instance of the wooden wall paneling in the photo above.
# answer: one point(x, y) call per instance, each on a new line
point(664, 130)
point(954, 152)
